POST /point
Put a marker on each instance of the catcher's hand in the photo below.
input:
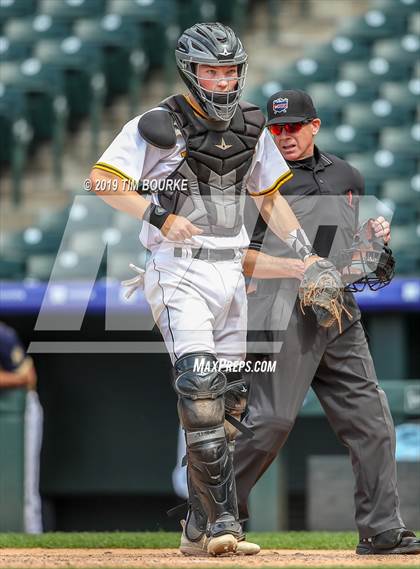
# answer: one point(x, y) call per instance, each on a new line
point(135, 283)
point(322, 289)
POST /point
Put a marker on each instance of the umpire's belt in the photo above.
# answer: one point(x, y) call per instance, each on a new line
point(208, 254)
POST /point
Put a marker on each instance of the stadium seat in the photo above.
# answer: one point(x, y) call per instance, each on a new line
point(405, 93)
point(305, 71)
point(41, 86)
point(375, 71)
point(125, 61)
point(16, 135)
point(340, 49)
point(70, 9)
point(404, 192)
point(31, 241)
point(72, 266)
point(405, 243)
point(16, 9)
point(344, 139)
point(374, 24)
point(402, 6)
point(39, 266)
point(13, 51)
point(78, 62)
point(381, 165)
point(85, 87)
point(33, 28)
point(371, 117)
point(157, 21)
point(342, 92)
point(11, 269)
point(402, 139)
point(398, 50)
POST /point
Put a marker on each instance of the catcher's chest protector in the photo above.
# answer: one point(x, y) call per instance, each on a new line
point(217, 161)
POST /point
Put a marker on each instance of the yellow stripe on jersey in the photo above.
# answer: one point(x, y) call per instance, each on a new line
point(274, 187)
point(113, 170)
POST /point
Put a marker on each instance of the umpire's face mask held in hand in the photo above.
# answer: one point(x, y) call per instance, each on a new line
point(300, 144)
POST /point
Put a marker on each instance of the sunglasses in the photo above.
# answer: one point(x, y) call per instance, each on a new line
point(290, 128)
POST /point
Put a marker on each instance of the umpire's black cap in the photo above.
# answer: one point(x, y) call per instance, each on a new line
point(290, 106)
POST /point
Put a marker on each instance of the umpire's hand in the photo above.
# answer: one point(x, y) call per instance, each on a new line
point(382, 229)
point(178, 228)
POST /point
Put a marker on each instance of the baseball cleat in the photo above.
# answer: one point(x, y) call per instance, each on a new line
point(198, 547)
point(397, 541)
point(222, 544)
point(190, 547)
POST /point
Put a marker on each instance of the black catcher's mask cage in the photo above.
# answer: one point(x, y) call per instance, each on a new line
point(217, 45)
point(360, 268)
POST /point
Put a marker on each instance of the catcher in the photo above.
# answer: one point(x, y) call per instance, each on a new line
point(323, 342)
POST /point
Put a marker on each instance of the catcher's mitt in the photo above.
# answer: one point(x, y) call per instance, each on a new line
point(368, 262)
point(322, 289)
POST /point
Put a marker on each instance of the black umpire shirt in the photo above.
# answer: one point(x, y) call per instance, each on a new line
point(324, 194)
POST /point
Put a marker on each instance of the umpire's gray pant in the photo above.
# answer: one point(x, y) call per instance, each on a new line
point(340, 370)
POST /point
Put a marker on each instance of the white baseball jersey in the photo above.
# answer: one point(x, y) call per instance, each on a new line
point(199, 306)
point(130, 157)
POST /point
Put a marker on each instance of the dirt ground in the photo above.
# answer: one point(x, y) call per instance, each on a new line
point(157, 558)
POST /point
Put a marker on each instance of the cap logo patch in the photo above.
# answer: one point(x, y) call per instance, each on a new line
point(280, 105)
point(225, 51)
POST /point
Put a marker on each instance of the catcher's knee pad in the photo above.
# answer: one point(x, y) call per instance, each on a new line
point(200, 387)
point(235, 401)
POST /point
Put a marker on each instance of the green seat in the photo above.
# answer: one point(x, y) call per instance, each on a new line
point(402, 190)
point(33, 28)
point(78, 62)
point(40, 266)
point(405, 243)
point(398, 50)
point(405, 93)
point(340, 49)
point(305, 71)
point(374, 24)
point(11, 269)
point(405, 140)
point(375, 71)
point(13, 51)
point(406, 199)
point(381, 165)
point(16, 135)
point(124, 59)
point(41, 85)
point(371, 117)
point(85, 85)
point(341, 93)
point(70, 10)
point(344, 139)
point(157, 21)
point(31, 241)
point(16, 9)
point(406, 7)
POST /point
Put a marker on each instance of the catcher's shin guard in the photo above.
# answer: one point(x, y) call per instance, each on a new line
point(201, 410)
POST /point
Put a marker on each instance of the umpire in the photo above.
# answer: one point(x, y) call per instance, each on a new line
point(338, 366)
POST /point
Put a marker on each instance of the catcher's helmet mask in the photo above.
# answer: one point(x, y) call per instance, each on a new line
point(374, 268)
point(217, 45)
